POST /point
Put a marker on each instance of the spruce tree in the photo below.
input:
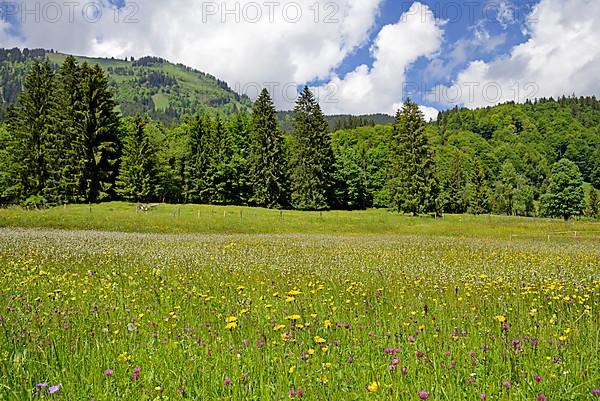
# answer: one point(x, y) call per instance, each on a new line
point(137, 173)
point(31, 126)
point(312, 162)
point(196, 159)
point(217, 152)
point(478, 199)
point(268, 166)
point(565, 196)
point(412, 185)
point(98, 124)
point(239, 127)
point(70, 160)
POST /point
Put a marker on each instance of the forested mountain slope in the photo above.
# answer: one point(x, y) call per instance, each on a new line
point(167, 92)
point(516, 145)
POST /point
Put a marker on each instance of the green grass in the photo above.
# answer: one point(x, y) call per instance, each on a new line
point(229, 303)
point(241, 220)
point(161, 101)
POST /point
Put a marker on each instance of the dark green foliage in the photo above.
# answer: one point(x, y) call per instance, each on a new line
point(337, 122)
point(62, 144)
point(5, 177)
point(565, 196)
point(513, 195)
point(137, 173)
point(197, 159)
point(412, 183)
point(369, 147)
point(30, 125)
point(226, 174)
point(216, 169)
point(594, 204)
point(216, 176)
point(98, 124)
point(453, 178)
point(70, 162)
point(478, 193)
point(312, 162)
point(268, 167)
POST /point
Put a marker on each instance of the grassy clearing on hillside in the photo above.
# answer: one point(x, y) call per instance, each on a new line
point(180, 219)
point(279, 317)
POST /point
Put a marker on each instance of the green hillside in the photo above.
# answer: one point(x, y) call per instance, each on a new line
point(166, 91)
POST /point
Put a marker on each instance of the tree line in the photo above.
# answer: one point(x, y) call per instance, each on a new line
point(64, 142)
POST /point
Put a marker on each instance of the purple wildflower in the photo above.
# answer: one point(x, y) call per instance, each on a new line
point(541, 397)
point(423, 395)
point(136, 374)
point(54, 389)
point(537, 378)
point(227, 382)
point(596, 392)
point(108, 372)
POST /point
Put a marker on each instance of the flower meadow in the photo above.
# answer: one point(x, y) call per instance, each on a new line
point(87, 315)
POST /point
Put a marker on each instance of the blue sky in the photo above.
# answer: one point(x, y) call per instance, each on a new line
point(472, 53)
point(499, 25)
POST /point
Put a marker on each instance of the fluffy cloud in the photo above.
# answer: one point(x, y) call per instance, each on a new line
point(381, 88)
point(246, 43)
point(560, 58)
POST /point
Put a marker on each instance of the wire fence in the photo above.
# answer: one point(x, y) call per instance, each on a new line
point(561, 234)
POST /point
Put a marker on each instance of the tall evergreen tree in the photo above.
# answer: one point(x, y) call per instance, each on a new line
point(239, 128)
point(478, 197)
point(268, 166)
point(137, 173)
point(197, 158)
point(98, 124)
point(31, 128)
point(312, 171)
point(216, 178)
point(70, 163)
point(412, 185)
point(565, 196)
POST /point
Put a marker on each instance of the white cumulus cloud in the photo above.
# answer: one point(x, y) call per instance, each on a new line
point(561, 57)
point(246, 43)
point(381, 88)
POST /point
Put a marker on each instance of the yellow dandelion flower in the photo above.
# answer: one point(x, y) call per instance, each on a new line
point(320, 340)
point(373, 387)
point(327, 324)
